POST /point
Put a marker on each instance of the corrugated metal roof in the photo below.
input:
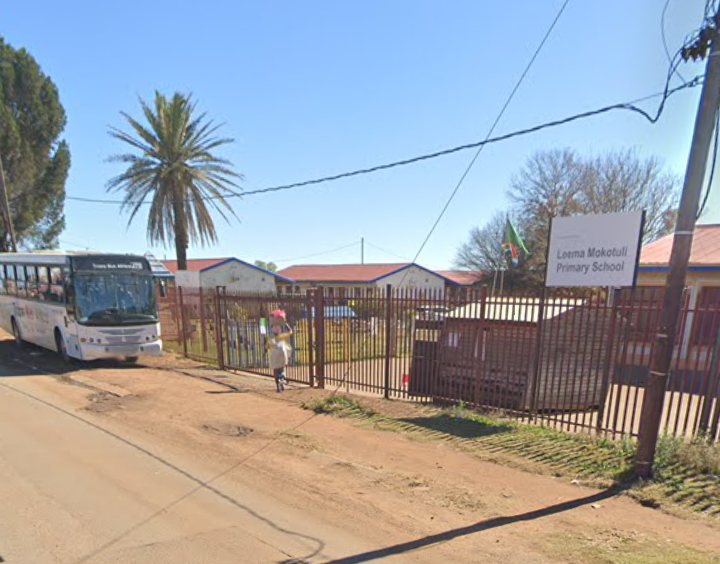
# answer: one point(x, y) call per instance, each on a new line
point(522, 310)
point(157, 267)
point(705, 249)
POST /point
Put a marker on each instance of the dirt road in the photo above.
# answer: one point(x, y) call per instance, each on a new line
point(73, 491)
point(143, 464)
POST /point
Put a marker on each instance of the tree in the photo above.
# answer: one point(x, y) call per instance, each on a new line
point(269, 266)
point(175, 167)
point(35, 160)
point(482, 250)
point(560, 182)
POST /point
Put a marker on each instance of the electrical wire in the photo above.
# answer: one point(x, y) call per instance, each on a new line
point(665, 42)
point(470, 165)
point(319, 253)
point(628, 106)
point(387, 252)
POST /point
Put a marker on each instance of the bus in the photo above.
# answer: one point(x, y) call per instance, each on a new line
point(84, 305)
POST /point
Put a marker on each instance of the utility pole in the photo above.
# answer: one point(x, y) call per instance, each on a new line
point(4, 202)
point(362, 250)
point(679, 258)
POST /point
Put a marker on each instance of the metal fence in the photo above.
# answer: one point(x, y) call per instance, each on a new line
point(576, 361)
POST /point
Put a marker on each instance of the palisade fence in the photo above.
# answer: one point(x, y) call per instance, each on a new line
point(576, 361)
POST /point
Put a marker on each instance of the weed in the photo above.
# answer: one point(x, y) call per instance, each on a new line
point(338, 405)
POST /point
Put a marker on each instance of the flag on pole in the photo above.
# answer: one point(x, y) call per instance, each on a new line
point(512, 243)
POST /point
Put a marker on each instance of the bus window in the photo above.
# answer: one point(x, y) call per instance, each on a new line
point(10, 280)
point(20, 280)
point(57, 290)
point(3, 290)
point(31, 282)
point(43, 283)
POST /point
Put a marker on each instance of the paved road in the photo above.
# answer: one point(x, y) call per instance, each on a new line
point(72, 492)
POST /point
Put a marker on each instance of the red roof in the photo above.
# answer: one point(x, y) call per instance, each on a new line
point(705, 248)
point(193, 264)
point(340, 272)
point(461, 277)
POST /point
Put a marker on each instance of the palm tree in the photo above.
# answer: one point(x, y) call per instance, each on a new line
point(174, 170)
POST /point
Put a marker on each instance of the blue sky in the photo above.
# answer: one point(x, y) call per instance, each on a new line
point(314, 88)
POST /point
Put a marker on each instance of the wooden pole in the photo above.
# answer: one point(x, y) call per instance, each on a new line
point(679, 258)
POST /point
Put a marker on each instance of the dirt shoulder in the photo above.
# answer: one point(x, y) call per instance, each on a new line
point(423, 498)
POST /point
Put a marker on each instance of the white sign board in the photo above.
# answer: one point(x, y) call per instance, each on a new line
point(594, 250)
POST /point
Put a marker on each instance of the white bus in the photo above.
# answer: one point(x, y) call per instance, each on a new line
point(83, 305)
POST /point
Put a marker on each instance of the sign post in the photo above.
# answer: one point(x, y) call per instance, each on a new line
point(594, 250)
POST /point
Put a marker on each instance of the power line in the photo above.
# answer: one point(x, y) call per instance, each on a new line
point(490, 132)
point(319, 253)
point(628, 106)
point(665, 43)
point(369, 244)
point(64, 242)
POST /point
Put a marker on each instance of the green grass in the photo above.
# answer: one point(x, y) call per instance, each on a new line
point(341, 406)
point(686, 474)
point(614, 547)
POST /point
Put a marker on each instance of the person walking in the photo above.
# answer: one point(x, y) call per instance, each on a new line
point(278, 347)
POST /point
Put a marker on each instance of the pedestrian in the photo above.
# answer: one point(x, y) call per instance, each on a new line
point(278, 347)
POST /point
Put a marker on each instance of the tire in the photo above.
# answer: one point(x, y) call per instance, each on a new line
point(61, 348)
point(16, 333)
point(132, 359)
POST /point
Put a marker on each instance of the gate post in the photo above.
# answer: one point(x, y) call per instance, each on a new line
point(320, 336)
point(609, 369)
point(182, 321)
point(218, 330)
point(478, 366)
point(309, 303)
point(202, 322)
point(388, 337)
point(536, 360)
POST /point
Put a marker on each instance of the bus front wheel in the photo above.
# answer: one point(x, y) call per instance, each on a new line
point(17, 334)
point(61, 348)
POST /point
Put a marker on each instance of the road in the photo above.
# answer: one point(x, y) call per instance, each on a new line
point(73, 491)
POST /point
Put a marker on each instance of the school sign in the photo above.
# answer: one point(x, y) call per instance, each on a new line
point(594, 250)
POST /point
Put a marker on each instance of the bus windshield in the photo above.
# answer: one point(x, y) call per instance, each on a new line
point(115, 299)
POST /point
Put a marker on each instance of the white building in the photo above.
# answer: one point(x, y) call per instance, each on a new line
point(234, 274)
point(347, 280)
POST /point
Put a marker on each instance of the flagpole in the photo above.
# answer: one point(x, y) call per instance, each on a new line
point(492, 294)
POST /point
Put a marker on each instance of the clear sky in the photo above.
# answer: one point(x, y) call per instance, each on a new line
point(314, 88)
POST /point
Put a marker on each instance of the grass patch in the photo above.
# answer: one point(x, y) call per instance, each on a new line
point(339, 405)
point(686, 474)
point(614, 547)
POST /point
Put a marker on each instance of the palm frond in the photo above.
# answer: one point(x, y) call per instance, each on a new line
point(173, 166)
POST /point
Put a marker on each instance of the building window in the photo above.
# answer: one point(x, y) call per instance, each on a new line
point(297, 289)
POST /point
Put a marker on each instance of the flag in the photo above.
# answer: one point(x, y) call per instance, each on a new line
point(512, 243)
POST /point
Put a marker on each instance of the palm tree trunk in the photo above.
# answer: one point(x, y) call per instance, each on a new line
point(180, 228)
point(181, 252)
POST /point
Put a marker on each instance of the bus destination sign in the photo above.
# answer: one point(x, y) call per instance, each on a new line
point(103, 264)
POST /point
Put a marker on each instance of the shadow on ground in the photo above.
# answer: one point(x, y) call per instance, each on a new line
point(457, 427)
point(29, 360)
